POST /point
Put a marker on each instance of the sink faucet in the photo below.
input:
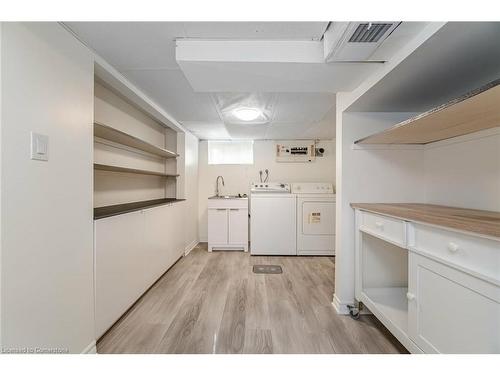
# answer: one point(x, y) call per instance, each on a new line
point(217, 185)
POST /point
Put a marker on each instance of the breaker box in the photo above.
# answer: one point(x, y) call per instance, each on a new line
point(295, 151)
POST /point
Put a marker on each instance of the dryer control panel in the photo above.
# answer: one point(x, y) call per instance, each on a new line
point(313, 188)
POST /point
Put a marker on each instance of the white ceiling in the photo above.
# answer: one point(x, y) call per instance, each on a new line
point(145, 52)
point(461, 56)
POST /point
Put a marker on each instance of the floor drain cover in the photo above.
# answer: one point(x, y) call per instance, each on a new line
point(267, 268)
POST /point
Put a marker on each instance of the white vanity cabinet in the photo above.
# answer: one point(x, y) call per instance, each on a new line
point(437, 289)
point(228, 224)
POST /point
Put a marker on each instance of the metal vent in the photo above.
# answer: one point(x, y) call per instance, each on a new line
point(369, 32)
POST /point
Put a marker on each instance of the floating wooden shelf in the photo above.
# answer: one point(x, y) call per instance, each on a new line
point(112, 134)
point(112, 168)
point(474, 111)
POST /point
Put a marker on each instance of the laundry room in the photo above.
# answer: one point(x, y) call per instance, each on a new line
point(239, 177)
point(218, 185)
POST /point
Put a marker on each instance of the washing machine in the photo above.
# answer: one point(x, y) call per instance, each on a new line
point(272, 219)
point(315, 218)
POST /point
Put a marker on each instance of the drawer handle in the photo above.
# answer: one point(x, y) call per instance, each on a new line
point(410, 296)
point(221, 209)
point(379, 225)
point(234, 209)
point(453, 247)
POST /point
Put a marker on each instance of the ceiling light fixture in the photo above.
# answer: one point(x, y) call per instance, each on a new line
point(247, 114)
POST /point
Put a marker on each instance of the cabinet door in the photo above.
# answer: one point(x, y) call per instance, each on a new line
point(119, 266)
point(177, 212)
point(217, 226)
point(158, 241)
point(451, 311)
point(238, 226)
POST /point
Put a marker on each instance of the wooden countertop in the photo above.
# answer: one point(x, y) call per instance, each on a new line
point(476, 221)
point(118, 209)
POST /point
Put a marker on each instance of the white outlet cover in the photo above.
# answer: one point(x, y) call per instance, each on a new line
point(39, 147)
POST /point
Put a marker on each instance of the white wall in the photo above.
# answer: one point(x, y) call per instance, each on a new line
point(238, 177)
point(464, 171)
point(113, 187)
point(191, 189)
point(368, 175)
point(46, 207)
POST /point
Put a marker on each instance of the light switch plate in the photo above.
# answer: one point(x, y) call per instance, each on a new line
point(39, 147)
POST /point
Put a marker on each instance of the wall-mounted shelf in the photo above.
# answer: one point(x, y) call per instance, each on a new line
point(477, 110)
point(112, 168)
point(114, 135)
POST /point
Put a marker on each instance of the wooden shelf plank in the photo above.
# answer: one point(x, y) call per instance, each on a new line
point(475, 221)
point(112, 134)
point(112, 168)
point(472, 112)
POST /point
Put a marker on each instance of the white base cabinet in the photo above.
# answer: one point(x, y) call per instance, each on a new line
point(436, 289)
point(228, 224)
point(131, 252)
point(451, 311)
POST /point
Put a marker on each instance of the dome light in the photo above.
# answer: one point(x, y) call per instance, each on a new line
point(247, 114)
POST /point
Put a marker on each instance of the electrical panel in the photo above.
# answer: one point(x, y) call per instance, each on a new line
point(295, 151)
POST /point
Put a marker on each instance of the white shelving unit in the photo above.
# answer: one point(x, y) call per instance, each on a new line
point(115, 135)
point(429, 274)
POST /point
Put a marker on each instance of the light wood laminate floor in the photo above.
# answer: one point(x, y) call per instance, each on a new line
point(214, 303)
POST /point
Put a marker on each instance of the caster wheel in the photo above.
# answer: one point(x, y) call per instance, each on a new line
point(353, 315)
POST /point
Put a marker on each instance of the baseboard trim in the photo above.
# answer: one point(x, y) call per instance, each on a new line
point(90, 349)
point(340, 307)
point(190, 247)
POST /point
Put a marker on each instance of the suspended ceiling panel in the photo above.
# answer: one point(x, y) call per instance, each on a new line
point(172, 91)
point(273, 77)
point(266, 66)
point(303, 107)
point(132, 45)
point(207, 130)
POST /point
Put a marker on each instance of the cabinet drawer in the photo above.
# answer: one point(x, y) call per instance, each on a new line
point(387, 228)
point(476, 254)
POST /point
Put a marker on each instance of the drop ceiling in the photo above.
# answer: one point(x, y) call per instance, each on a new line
point(303, 94)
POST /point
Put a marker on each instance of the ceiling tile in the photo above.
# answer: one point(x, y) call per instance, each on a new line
point(254, 131)
point(171, 90)
point(204, 130)
point(285, 131)
point(307, 107)
point(132, 45)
